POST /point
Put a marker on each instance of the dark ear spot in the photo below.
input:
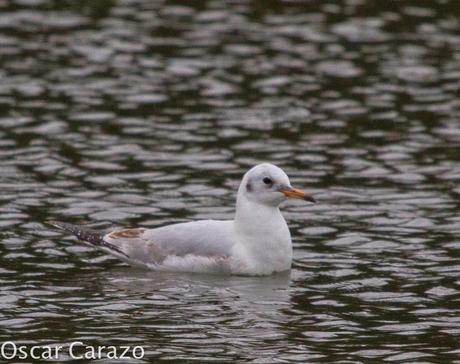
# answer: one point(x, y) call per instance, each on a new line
point(248, 187)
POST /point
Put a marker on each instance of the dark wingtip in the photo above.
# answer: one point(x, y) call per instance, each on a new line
point(87, 235)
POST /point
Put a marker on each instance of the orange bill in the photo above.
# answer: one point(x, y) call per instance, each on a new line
point(296, 193)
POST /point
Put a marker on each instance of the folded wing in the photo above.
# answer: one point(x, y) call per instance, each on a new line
point(194, 243)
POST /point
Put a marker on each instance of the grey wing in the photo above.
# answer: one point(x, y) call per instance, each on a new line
point(208, 238)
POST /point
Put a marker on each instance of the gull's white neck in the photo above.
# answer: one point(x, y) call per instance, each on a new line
point(254, 218)
point(264, 238)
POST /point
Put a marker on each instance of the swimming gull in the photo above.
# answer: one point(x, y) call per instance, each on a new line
point(256, 242)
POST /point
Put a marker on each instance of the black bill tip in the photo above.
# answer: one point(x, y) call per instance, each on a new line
point(309, 199)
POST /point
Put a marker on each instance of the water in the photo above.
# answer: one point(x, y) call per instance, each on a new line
point(125, 113)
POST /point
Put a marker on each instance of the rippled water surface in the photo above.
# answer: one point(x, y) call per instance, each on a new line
point(125, 113)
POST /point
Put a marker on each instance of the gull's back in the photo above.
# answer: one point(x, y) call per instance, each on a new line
point(207, 242)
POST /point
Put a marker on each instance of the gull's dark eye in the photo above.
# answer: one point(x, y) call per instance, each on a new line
point(267, 181)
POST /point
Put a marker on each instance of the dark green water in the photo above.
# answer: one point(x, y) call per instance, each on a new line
point(125, 113)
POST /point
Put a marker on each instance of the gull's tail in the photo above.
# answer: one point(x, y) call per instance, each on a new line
point(90, 236)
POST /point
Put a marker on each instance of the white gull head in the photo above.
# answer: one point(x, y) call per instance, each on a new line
point(267, 184)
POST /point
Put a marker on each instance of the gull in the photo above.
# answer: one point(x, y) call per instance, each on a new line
point(256, 242)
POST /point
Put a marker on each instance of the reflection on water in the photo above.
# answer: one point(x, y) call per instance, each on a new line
point(123, 113)
point(192, 310)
